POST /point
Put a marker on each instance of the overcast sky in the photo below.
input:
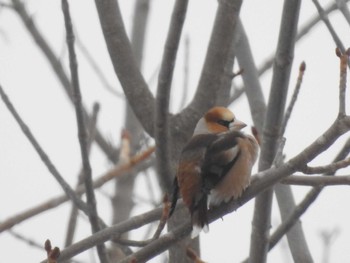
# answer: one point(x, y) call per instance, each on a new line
point(35, 91)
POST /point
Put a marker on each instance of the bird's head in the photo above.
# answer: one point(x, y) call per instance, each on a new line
point(217, 120)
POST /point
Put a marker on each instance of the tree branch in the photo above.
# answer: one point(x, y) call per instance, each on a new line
point(82, 134)
point(109, 233)
point(219, 47)
point(273, 120)
point(320, 180)
point(329, 26)
point(58, 69)
point(261, 181)
point(125, 66)
point(136, 162)
point(44, 157)
point(74, 211)
point(250, 78)
point(344, 60)
point(291, 105)
point(161, 130)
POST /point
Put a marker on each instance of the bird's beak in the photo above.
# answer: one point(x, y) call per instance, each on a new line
point(237, 125)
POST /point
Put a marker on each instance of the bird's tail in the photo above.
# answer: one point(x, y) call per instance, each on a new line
point(200, 217)
point(174, 197)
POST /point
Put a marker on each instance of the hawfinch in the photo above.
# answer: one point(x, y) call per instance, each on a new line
point(215, 165)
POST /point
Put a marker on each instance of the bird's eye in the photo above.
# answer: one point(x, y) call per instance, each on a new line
point(224, 123)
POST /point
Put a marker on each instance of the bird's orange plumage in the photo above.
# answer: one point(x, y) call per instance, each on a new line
point(215, 165)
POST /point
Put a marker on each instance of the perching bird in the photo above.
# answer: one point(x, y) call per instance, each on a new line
point(215, 165)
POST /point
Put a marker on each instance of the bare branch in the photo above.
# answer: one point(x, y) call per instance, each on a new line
point(186, 72)
point(52, 254)
point(320, 180)
point(124, 63)
point(193, 256)
point(330, 168)
point(109, 233)
point(74, 211)
point(294, 215)
point(82, 134)
point(44, 157)
point(344, 60)
point(58, 69)
point(290, 107)
point(329, 26)
point(90, 59)
point(290, 221)
point(344, 9)
point(161, 134)
point(250, 77)
point(263, 181)
point(304, 30)
point(135, 163)
point(272, 125)
point(219, 47)
point(161, 225)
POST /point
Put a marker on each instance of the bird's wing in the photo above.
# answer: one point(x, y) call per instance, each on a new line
point(189, 168)
point(220, 156)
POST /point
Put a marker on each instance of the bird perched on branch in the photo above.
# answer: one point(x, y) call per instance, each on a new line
point(215, 165)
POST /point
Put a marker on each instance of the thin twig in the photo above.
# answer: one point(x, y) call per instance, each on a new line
point(90, 59)
point(52, 254)
point(164, 217)
point(82, 134)
point(304, 30)
point(292, 219)
point(57, 67)
point(329, 26)
point(161, 225)
point(110, 233)
point(135, 162)
point(27, 240)
point(344, 59)
point(44, 157)
point(330, 168)
point(344, 9)
point(193, 255)
point(288, 223)
point(74, 211)
point(290, 107)
point(320, 180)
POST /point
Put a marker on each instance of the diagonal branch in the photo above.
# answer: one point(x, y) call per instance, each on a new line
point(250, 78)
point(135, 163)
point(45, 158)
point(261, 181)
point(329, 26)
point(57, 67)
